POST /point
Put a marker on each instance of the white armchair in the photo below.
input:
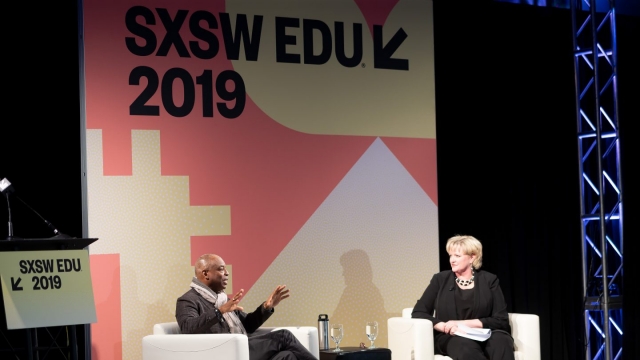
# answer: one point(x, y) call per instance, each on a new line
point(412, 339)
point(167, 343)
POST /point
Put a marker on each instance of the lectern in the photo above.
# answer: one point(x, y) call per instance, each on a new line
point(46, 283)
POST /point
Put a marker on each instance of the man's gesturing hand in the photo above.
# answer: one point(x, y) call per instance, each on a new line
point(232, 303)
point(280, 293)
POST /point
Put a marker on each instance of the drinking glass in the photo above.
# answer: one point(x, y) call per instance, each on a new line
point(336, 335)
point(372, 332)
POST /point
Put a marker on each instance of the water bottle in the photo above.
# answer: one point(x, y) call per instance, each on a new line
point(323, 331)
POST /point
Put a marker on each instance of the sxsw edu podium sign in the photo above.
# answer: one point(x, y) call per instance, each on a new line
point(46, 288)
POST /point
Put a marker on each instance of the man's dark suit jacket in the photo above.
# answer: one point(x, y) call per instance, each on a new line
point(488, 304)
point(196, 315)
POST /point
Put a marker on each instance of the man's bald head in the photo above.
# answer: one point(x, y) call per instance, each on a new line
point(211, 270)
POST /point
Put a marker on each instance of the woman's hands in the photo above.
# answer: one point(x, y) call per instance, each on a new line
point(450, 327)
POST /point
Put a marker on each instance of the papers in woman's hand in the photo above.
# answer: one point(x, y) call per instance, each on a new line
point(472, 333)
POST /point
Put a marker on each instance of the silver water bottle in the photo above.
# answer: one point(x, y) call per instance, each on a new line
point(323, 331)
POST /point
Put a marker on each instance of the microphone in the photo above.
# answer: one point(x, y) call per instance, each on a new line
point(451, 288)
point(9, 188)
point(6, 188)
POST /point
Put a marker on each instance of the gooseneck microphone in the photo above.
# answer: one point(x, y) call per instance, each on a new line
point(56, 233)
point(6, 188)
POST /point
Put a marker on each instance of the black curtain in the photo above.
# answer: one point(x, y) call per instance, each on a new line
point(40, 151)
point(508, 158)
point(628, 28)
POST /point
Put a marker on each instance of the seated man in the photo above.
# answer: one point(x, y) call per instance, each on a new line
point(206, 309)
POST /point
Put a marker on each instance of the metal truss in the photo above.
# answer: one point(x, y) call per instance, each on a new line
point(595, 59)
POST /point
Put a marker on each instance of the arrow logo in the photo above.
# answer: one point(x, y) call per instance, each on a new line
point(14, 285)
point(382, 53)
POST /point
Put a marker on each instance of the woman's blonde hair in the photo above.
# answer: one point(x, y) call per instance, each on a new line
point(469, 245)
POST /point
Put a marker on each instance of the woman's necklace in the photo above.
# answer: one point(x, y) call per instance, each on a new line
point(466, 282)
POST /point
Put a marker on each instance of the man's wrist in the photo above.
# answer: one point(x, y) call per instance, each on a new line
point(218, 314)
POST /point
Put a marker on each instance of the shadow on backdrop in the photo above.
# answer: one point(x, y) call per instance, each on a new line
point(361, 301)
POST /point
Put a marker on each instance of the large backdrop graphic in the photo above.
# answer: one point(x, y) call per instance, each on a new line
point(296, 139)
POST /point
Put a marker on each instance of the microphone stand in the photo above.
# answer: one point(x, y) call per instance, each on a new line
point(10, 229)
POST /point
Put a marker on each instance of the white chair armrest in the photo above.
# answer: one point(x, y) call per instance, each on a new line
point(410, 338)
point(406, 313)
point(525, 329)
point(167, 343)
point(166, 328)
point(195, 347)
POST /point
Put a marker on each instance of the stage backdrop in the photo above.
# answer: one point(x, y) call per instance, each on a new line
point(296, 139)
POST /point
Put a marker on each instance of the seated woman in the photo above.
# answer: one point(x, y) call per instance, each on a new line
point(466, 296)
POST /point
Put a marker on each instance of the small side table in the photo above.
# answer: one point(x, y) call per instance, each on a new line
point(356, 353)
